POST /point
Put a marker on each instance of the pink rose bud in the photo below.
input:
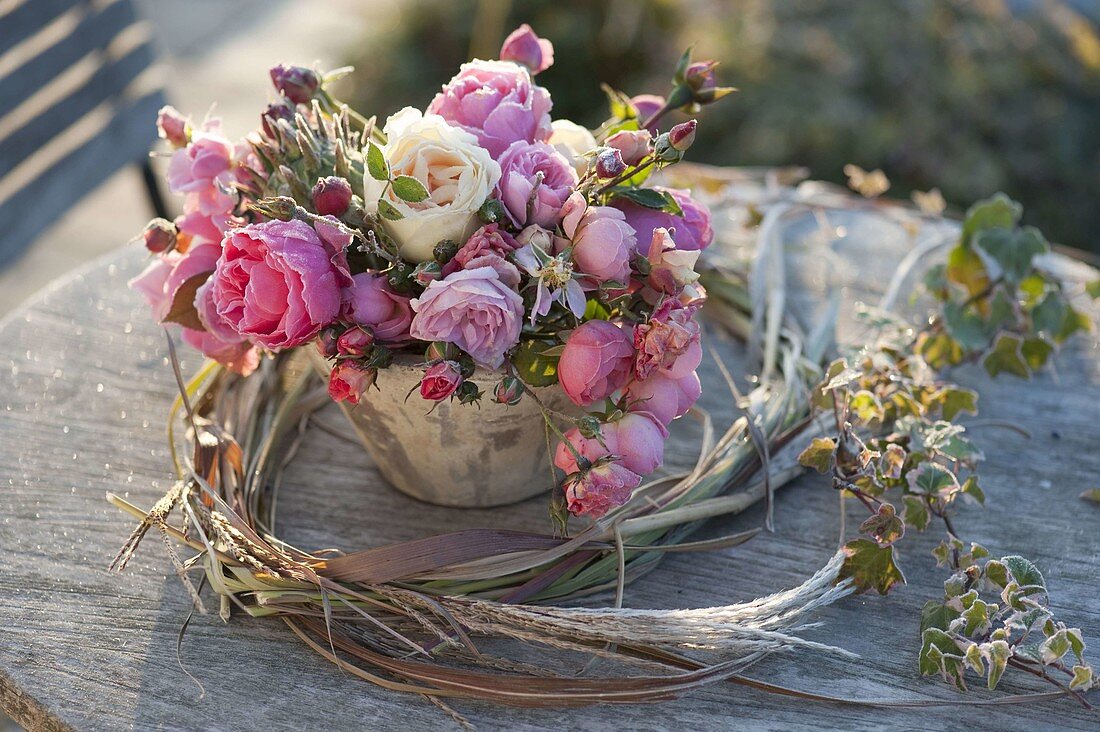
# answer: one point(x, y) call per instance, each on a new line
point(355, 342)
point(269, 120)
point(647, 105)
point(632, 144)
point(609, 163)
point(331, 196)
point(525, 48)
point(682, 135)
point(296, 83)
point(509, 391)
point(349, 380)
point(326, 342)
point(173, 126)
point(440, 381)
point(605, 486)
point(427, 273)
point(159, 236)
point(700, 75)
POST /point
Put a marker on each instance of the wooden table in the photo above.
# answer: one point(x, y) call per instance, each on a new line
point(84, 388)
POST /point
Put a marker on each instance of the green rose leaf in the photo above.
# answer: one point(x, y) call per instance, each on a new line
point(535, 364)
point(870, 566)
point(409, 189)
point(1012, 250)
point(646, 197)
point(388, 211)
point(1007, 357)
point(819, 455)
point(377, 166)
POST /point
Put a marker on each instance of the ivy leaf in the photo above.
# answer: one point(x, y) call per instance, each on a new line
point(388, 211)
point(970, 488)
point(1093, 289)
point(1024, 571)
point(954, 399)
point(936, 615)
point(932, 479)
point(819, 455)
point(916, 512)
point(997, 212)
point(821, 398)
point(866, 406)
point(1074, 322)
point(884, 527)
point(966, 268)
point(997, 654)
point(939, 654)
point(1054, 647)
point(892, 462)
point(1006, 357)
point(182, 309)
point(377, 166)
point(939, 349)
point(533, 364)
point(1012, 250)
point(409, 189)
point(1049, 316)
point(870, 566)
point(1035, 351)
point(1082, 678)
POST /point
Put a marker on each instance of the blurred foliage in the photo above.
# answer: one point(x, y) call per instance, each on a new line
point(970, 96)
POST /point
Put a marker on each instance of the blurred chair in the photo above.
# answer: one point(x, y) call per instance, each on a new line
point(76, 105)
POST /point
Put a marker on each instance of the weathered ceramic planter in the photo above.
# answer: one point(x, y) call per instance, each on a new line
point(455, 455)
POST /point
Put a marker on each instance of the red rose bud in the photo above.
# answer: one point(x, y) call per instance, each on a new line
point(609, 163)
point(296, 83)
point(523, 47)
point(355, 342)
point(326, 342)
point(159, 236)
point(440, 381)
point(509, 391)
point(682, 135)
point(427, 273)
point(173, 126)
point(331, 195)
point(349, 380)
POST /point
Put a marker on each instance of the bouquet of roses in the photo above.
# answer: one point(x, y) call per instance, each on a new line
point(478, 233)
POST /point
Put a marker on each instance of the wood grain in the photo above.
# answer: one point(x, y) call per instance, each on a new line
point(83, 392)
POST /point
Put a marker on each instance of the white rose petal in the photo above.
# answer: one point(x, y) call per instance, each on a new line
point(572, 141)
point(458, 174)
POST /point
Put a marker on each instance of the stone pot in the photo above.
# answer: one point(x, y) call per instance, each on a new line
point(457, 454)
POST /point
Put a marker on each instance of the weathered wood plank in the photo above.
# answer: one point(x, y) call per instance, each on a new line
point(83, 391)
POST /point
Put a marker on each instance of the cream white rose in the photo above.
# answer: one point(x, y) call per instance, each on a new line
point(572, 141)
point(457, 173)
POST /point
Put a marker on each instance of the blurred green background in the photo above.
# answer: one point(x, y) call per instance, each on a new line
point(970, 96)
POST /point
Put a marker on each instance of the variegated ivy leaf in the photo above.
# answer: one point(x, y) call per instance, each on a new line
point(865, 406)
point(996, 212)
point(870, 566)
point(1012, 250)
point(892, 462)
point(940, 654)
point(1006, 357)
point(819, 455)
point(953, 400)
point(1024, 572)
point(915, 512)
point(932, 479)
point(1082, 678)
point(884, 526)
point(996, 653)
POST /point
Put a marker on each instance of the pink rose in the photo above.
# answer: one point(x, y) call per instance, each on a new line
point(535, 182)
point(692, 230)
point(660, 342)
point(440, 381)
point(487, 247)
point(523, 47)
point(207, 227)
point(371, 302)
point(603, 242)
point(633, 145)
point(278, 283)
point(218, 340)
point(664, 397)
point(670, 269)
point(349, 380)
point(203, 170)
point(646, 105)
point(597, 491)
point(497, 102)
point(472, 309)
point(637, 439)
point(596, 362)
point(163, 279)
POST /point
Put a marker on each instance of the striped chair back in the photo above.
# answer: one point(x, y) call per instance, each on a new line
point(76, 105)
